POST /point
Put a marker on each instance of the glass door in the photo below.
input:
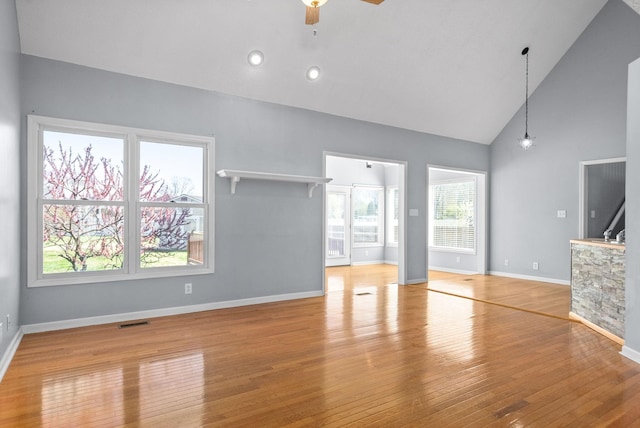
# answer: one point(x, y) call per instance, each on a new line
point(338, 245)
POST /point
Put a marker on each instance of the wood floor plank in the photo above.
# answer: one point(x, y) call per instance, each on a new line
point(369, 353)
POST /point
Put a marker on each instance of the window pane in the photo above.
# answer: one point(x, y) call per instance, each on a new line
point(453, 215)
point(171, 236)
point(393, 214)
point(396, 214)
point(80, 238)
point(171, 172)
point(366, 215)
point(336, 209)
point(80, 166)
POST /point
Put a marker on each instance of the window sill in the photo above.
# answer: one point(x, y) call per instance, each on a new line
point(453, 250)
point(88, 278)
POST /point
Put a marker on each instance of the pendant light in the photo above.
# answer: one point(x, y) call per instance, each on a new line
point(526, 142)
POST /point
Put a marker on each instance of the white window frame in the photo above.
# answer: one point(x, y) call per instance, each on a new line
point(36, 125)
point(380, 223)
point(392, 222)
point(431, 210)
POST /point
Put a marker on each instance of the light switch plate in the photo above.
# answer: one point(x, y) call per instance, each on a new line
point(413, 212)
point(562, 214)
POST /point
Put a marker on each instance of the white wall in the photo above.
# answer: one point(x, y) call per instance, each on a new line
point(391, 178)
point(632, 291)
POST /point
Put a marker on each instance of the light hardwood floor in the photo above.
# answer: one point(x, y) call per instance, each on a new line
point(369, 353)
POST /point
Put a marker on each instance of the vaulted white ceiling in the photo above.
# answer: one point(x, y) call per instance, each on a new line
point(445, 67)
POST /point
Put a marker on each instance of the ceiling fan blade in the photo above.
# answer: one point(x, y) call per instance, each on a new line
point(373, 1)
point(312, 16)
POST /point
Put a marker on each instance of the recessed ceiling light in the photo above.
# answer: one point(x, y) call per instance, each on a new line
point(313, 72)
point(255, 58)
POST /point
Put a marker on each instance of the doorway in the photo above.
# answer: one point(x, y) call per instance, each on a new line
point(457, 220)
point(364, 210)
point(602, 197)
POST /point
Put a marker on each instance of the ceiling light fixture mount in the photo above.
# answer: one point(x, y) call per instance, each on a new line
point(526, 142)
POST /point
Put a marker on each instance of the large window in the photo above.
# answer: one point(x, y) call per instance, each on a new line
point(368, 216)
point(109, 203)
point(453, 215)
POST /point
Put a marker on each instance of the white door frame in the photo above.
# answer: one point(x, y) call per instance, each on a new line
point(402, 208)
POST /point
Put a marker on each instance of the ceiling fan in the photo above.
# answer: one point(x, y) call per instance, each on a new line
point(313, 9)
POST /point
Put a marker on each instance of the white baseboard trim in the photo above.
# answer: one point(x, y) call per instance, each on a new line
point(459, 271)
point(154, 313)
point(531, 278)
point(10, 352)
point(631, 354)
point(416, 281)
point(374, 262)
point(390, 262)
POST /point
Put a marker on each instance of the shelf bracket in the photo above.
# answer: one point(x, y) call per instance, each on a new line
point(310, 187)
point(234, 181)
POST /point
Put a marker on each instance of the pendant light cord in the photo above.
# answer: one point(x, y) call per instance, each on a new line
point(526, 96)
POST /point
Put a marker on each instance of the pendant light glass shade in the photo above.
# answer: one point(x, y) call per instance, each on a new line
point(526, 142)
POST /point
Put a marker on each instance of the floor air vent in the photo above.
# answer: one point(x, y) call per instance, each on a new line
point(366, 293)
point(133, 324)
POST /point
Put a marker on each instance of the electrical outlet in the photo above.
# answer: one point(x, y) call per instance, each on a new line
point(506, 262)
point(458, 259)
point(535, 265)
point(187, 288)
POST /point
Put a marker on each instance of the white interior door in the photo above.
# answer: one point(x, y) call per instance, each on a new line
point(338, 245)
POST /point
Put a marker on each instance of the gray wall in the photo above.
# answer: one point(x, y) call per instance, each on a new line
point(632, 295)
point(10, 171)
point(577, 113)
point(268, 235)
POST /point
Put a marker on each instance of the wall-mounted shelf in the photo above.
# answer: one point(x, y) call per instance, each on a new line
point(235, 176)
